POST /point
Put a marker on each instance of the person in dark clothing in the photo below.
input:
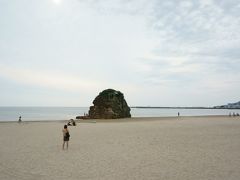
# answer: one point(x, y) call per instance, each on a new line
point(20, 119)
point(66, 136)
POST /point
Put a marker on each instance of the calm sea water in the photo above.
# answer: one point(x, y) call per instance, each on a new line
point(65, 113)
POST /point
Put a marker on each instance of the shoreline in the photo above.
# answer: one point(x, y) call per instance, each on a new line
point(163, 107)
point(133, 119)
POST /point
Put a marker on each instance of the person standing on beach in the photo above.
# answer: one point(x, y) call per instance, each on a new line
point(178, 114)
point(20, 119)
point(66, 136)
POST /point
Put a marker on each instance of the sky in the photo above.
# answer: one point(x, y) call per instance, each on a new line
point(157, 53)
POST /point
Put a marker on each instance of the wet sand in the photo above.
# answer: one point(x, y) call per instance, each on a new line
point(193, 148)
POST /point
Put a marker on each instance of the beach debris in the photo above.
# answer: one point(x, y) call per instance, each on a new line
point(109, 104)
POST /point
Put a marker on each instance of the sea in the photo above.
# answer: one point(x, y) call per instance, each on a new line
point(66, 113)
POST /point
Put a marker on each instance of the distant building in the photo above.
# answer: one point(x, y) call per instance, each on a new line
point(234, 105)
point(230, 106)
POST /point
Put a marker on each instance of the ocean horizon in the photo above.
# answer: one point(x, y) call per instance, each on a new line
point(65, 113)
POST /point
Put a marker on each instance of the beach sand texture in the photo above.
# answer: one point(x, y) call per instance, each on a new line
point(194, 148)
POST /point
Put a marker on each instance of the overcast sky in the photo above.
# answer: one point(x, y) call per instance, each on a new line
point(157, 52)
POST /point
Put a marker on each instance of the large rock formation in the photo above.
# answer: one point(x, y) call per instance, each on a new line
point(109, 104)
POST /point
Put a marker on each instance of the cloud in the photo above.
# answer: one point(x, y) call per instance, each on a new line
point(138, 45)
point(61, 81)
point(197, 40)
point(120, 7)
point(185, 28)
point(52, 80)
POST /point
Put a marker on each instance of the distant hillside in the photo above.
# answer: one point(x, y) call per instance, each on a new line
point(229, 106)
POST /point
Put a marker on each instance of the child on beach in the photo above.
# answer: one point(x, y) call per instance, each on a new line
point(66, 136)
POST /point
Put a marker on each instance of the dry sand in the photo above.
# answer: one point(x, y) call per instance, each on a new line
point(196, 148)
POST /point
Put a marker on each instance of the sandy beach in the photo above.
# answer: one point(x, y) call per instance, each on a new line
point(194, 148)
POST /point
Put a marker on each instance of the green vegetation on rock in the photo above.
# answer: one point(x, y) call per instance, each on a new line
point(109, 104)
